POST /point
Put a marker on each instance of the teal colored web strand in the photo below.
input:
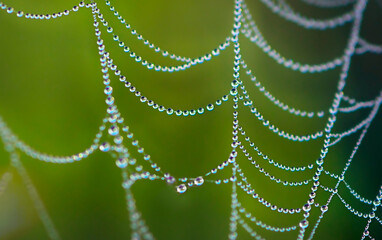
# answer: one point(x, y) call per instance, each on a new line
point(309, 23)
point(157, 49)
point(4, 181)
point(342, 175)
point(328, 3)
point(349, 52)
point(235, 83)
point(37, 203)
point(258, 38)
point(137, 224)
point(234, 213)
point(372, 214)
point(6, 133)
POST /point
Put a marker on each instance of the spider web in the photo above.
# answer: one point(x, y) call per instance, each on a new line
point(117, 139)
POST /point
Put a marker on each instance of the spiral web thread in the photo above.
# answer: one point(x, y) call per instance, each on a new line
point(244, 26)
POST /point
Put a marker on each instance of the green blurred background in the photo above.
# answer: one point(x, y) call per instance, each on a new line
point(51, 95)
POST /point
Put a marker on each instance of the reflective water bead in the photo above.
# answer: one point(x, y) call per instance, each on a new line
point(210, 107)
point(118, 140)
point(113, 130)
point(109, 100)
point(121, 162)
point(199, 181)
point(324, 208)
point(181, 188)
point(104, 147)
point(178, 112)
point(132, 161)
point(113, 118)
point(304, 224)
point(169, 111)
point(108, 90)
point(306, 207)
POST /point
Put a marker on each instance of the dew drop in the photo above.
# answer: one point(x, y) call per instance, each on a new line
point(324, 208)
point(304, 224)
point(104, 147)
point(181, 188)
point(198, 181)
point(121, 162)
point(113, 130)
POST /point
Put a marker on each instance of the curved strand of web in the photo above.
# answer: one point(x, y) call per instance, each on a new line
point(372, 214)
point(270, 160)
point(116, 120)
point(137, 224)
point(274, 129)
point(277, 102)
point(113, 111)
point(162, 68)
point(329, 3)
point(4, 181)
point(165, 53)
point(342, 175)
point(351, 209)
point(105, 58)
point(151, 103)
point(260, 41)
point(360, 125)
point(309, 23)
point(357, 195)
point(378, 219)
point(8, 135)
point(233, 155)
point(38, 204)
point(357, 106)
point(247, 188)
point(333, 110)
point(351, 100)
point(21, 14)
point(351, 190)
point(114, 116)
point(365, 47)
point(249, 230)
point(234, 213)
point(265, 226)
point(270, 176)
point(340, 178)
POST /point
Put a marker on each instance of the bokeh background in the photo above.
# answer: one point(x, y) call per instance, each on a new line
point(51, 95)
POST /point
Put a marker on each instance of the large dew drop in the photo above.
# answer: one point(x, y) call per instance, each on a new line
point(181, 188)
point(198, 181)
